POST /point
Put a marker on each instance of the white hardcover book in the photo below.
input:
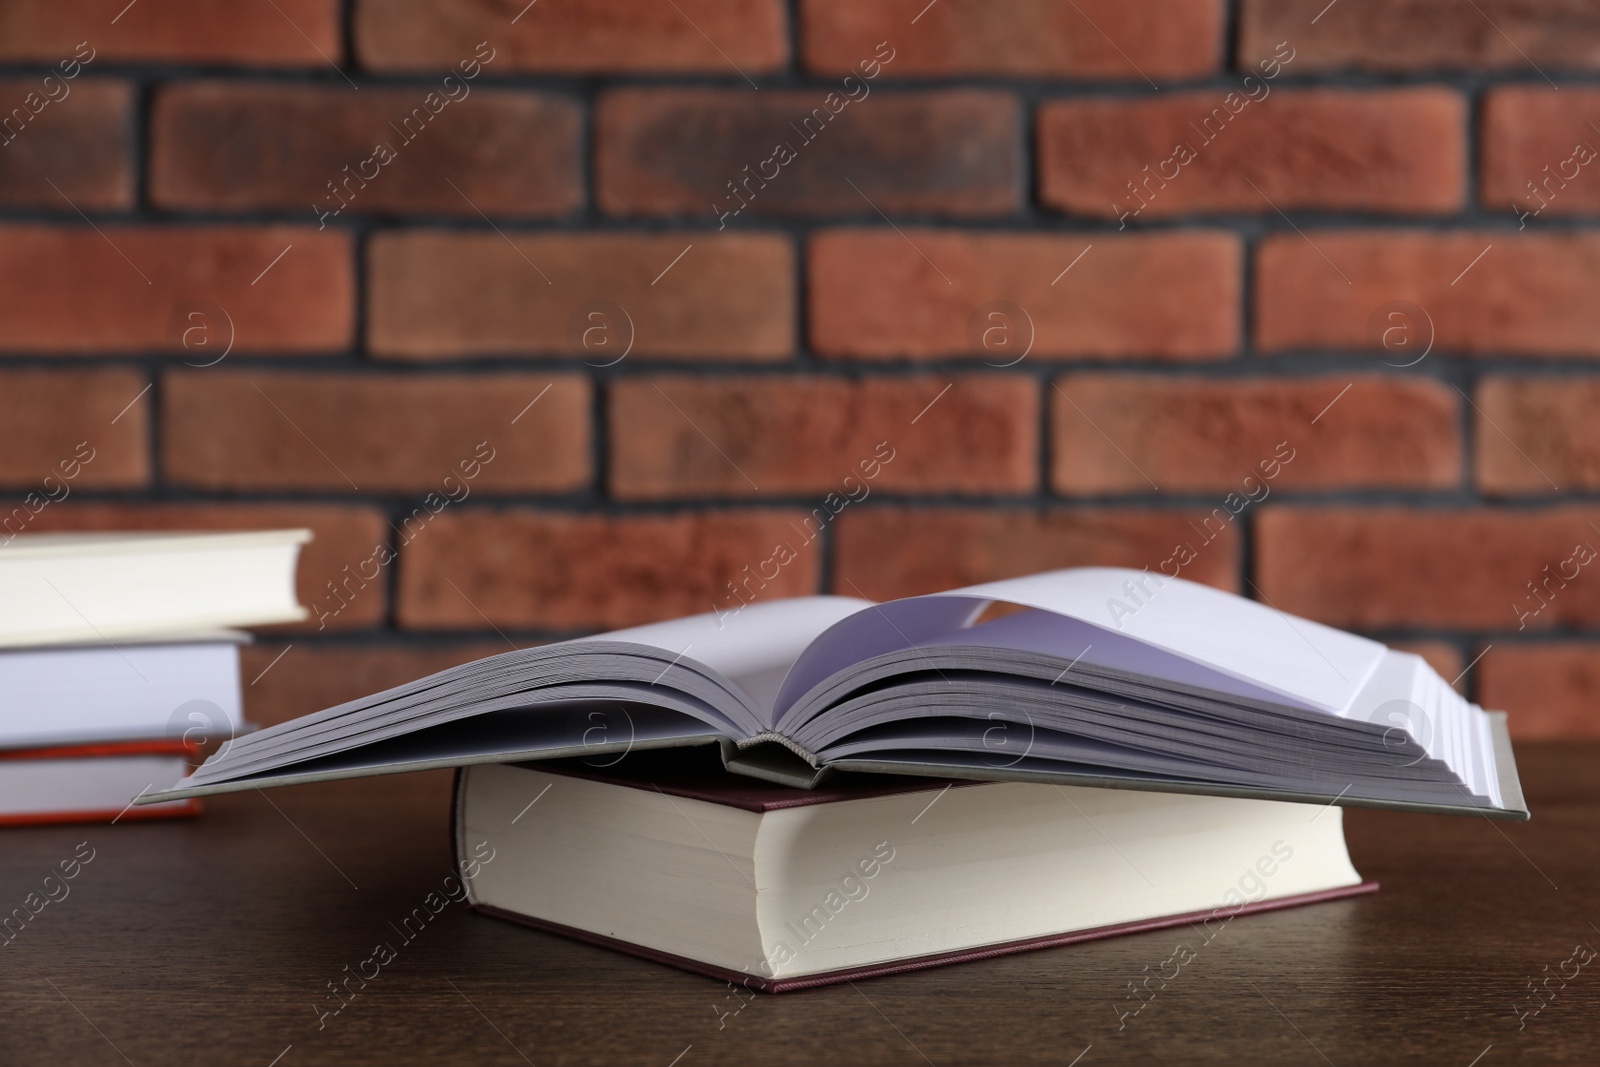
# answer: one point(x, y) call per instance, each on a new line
point(83, 694)
point(65, 588)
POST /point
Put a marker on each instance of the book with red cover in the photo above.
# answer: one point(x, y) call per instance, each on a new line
point(924, 819)
point(92, 782)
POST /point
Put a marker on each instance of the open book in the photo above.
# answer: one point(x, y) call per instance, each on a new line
point(1104, 677)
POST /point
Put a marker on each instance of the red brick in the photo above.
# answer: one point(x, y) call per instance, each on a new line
point(886, 552)
point(1443, 657)
point(132, 288)
point(751, 436)
point(1547, 689)
point(1537, 435)
point(1118, 433)
point(226, 146)
point(284, 681)
point(1528, 294)
point(438, 294)
point(722, 37)
point(46, 415)
point(1538, 147)
point(879, 294)
point(343, 536)
point(1102, 39)
point(683, 152)
point(1399, 150)
point(252, 430)
point(80, 141)
point(1398, 567)
point(549, 571)
point(292, 33)
point(1508, 35)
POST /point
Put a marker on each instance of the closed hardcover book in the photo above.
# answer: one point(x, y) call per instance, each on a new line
point(92, 782)
point(113, 667)
point(85, 729)
point(83, 587)
point(780, 888)
point(97, 693)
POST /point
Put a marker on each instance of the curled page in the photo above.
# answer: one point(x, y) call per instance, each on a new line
point(752, 646)
point(1301, 662)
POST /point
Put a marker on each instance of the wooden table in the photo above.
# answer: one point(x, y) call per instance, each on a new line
point(213, 941)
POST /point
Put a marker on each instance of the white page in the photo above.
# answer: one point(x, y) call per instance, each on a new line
point(1084, 644)
point(753, 646)
point(874, 631)
point(1305, 663)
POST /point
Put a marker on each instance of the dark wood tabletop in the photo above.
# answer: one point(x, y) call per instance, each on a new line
point(214, 940)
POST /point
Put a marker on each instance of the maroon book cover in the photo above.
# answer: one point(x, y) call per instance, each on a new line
point(678, 773)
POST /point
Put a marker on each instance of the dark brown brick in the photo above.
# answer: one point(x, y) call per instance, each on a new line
point(882, 552)
point(1537, 435)
point(1119, 433)
point(226, 146)
point(360, 433)
point(718, 37)
point(74, 133)
point(78, 289)
point(879, 294)
point(562, 572)
point(285, 33)
point(666, 152)
point(438, 294)
point(1539, 147)
point(1401, 150)
point(82, 429)
point(1102, 39)
point(1527, 294)
point(1547, 689)
point(1500, 35)
point(749, 436)
point(1457, 569)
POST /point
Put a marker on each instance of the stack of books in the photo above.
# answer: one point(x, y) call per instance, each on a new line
point(117, 664)
point(813, 790)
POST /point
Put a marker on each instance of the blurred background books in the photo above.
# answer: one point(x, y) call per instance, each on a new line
point(118, 664)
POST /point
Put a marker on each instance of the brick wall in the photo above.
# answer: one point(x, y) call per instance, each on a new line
point(573, 315)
